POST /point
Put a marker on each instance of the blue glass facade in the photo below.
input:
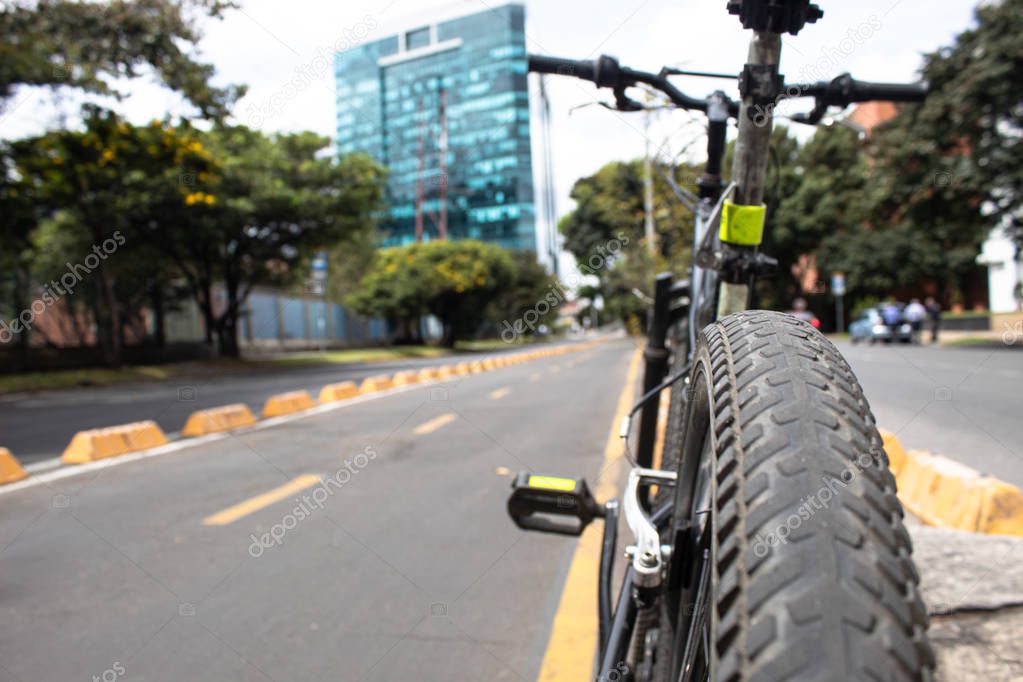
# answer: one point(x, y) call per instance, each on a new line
point(459, 84)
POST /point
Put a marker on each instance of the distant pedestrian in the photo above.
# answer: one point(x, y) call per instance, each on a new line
point(915, 314)
point(891, 313)
point(934, 312)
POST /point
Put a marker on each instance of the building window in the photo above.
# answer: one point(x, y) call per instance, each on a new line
point(417, 38)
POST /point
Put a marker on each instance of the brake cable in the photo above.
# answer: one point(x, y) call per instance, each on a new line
point(627, 419)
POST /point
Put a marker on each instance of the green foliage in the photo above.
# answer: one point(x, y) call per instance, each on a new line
point(270, 201)
point(87, 45)
point(232, 206)
point(816, 192)
point(605, 233)
point(609, 206)
point(533, 296)
point(945, 172)
point(86, 188)
point(975, 113)
point(454, 281)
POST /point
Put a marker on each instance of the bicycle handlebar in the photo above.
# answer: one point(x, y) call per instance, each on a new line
point(606, 72)
point(580, 68)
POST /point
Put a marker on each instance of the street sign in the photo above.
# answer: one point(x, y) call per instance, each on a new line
point(319, 266)
point(838, 283)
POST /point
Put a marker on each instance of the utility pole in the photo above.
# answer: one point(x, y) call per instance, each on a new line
point(550, 209)
point(648, 189)
point(442, 223)
point(419, 173)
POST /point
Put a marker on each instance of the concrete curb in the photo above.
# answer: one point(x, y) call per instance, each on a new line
point(88, 446)
point(945, 493)
point(217, 419)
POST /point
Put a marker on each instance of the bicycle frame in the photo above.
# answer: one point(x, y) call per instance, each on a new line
point(713, 292)
point(726, 264)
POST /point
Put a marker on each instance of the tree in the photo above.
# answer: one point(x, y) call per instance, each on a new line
point(90, 187)
point(269, 202)
point(605, 233)
point(88, 45)
point(609, 204)
point(533, 297)
point(454, 281)
point(945, 172)
point(975, 114)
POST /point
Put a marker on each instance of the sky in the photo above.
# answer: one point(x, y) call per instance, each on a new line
point(266, 44)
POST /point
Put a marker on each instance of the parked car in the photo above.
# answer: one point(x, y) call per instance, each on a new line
point(870, 326)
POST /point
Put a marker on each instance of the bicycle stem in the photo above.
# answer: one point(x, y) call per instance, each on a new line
point(761, 87)
point(749, 170)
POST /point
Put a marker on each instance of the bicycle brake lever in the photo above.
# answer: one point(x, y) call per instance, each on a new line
point(624, 103)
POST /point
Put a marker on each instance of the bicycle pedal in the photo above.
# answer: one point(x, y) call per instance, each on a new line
point(552, 504)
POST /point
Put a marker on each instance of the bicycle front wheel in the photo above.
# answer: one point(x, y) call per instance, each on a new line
point(790, 558)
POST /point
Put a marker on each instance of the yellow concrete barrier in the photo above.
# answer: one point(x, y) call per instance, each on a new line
point(428, 374)
point(380, 382)
point(339, 391)
point(87, 446)
point(10, 468)
point(445, 372)
point(462, 368)
point(214, 420)
point(896, 453)
point(945, 493)
point(405, 378)
point(489, 364)
point(287, 403)
point(476, 367)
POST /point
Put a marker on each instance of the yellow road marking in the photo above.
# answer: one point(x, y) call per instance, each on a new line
point(573, 639)
point(434, 424)
point(499, 393)
point(254, 504)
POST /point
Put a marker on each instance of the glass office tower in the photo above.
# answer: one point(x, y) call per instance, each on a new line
point(445, 107)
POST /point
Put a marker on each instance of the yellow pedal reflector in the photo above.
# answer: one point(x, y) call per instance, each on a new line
point(565, 485)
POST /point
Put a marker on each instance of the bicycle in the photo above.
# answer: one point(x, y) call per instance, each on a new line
point(775, 547)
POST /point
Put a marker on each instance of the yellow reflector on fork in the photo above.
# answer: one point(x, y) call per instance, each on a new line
point(742, 225)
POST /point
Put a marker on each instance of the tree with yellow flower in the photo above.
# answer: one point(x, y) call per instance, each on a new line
point(454, 281)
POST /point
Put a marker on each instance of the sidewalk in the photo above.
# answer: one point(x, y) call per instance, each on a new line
point(973, 587)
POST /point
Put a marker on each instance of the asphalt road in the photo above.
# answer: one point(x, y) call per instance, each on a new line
point(405, 568)
point(38, 426)
point(964, 403)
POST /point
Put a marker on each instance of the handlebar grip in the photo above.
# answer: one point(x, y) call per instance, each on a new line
point(846, 90)
point(889, 92)
point(579, 68)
